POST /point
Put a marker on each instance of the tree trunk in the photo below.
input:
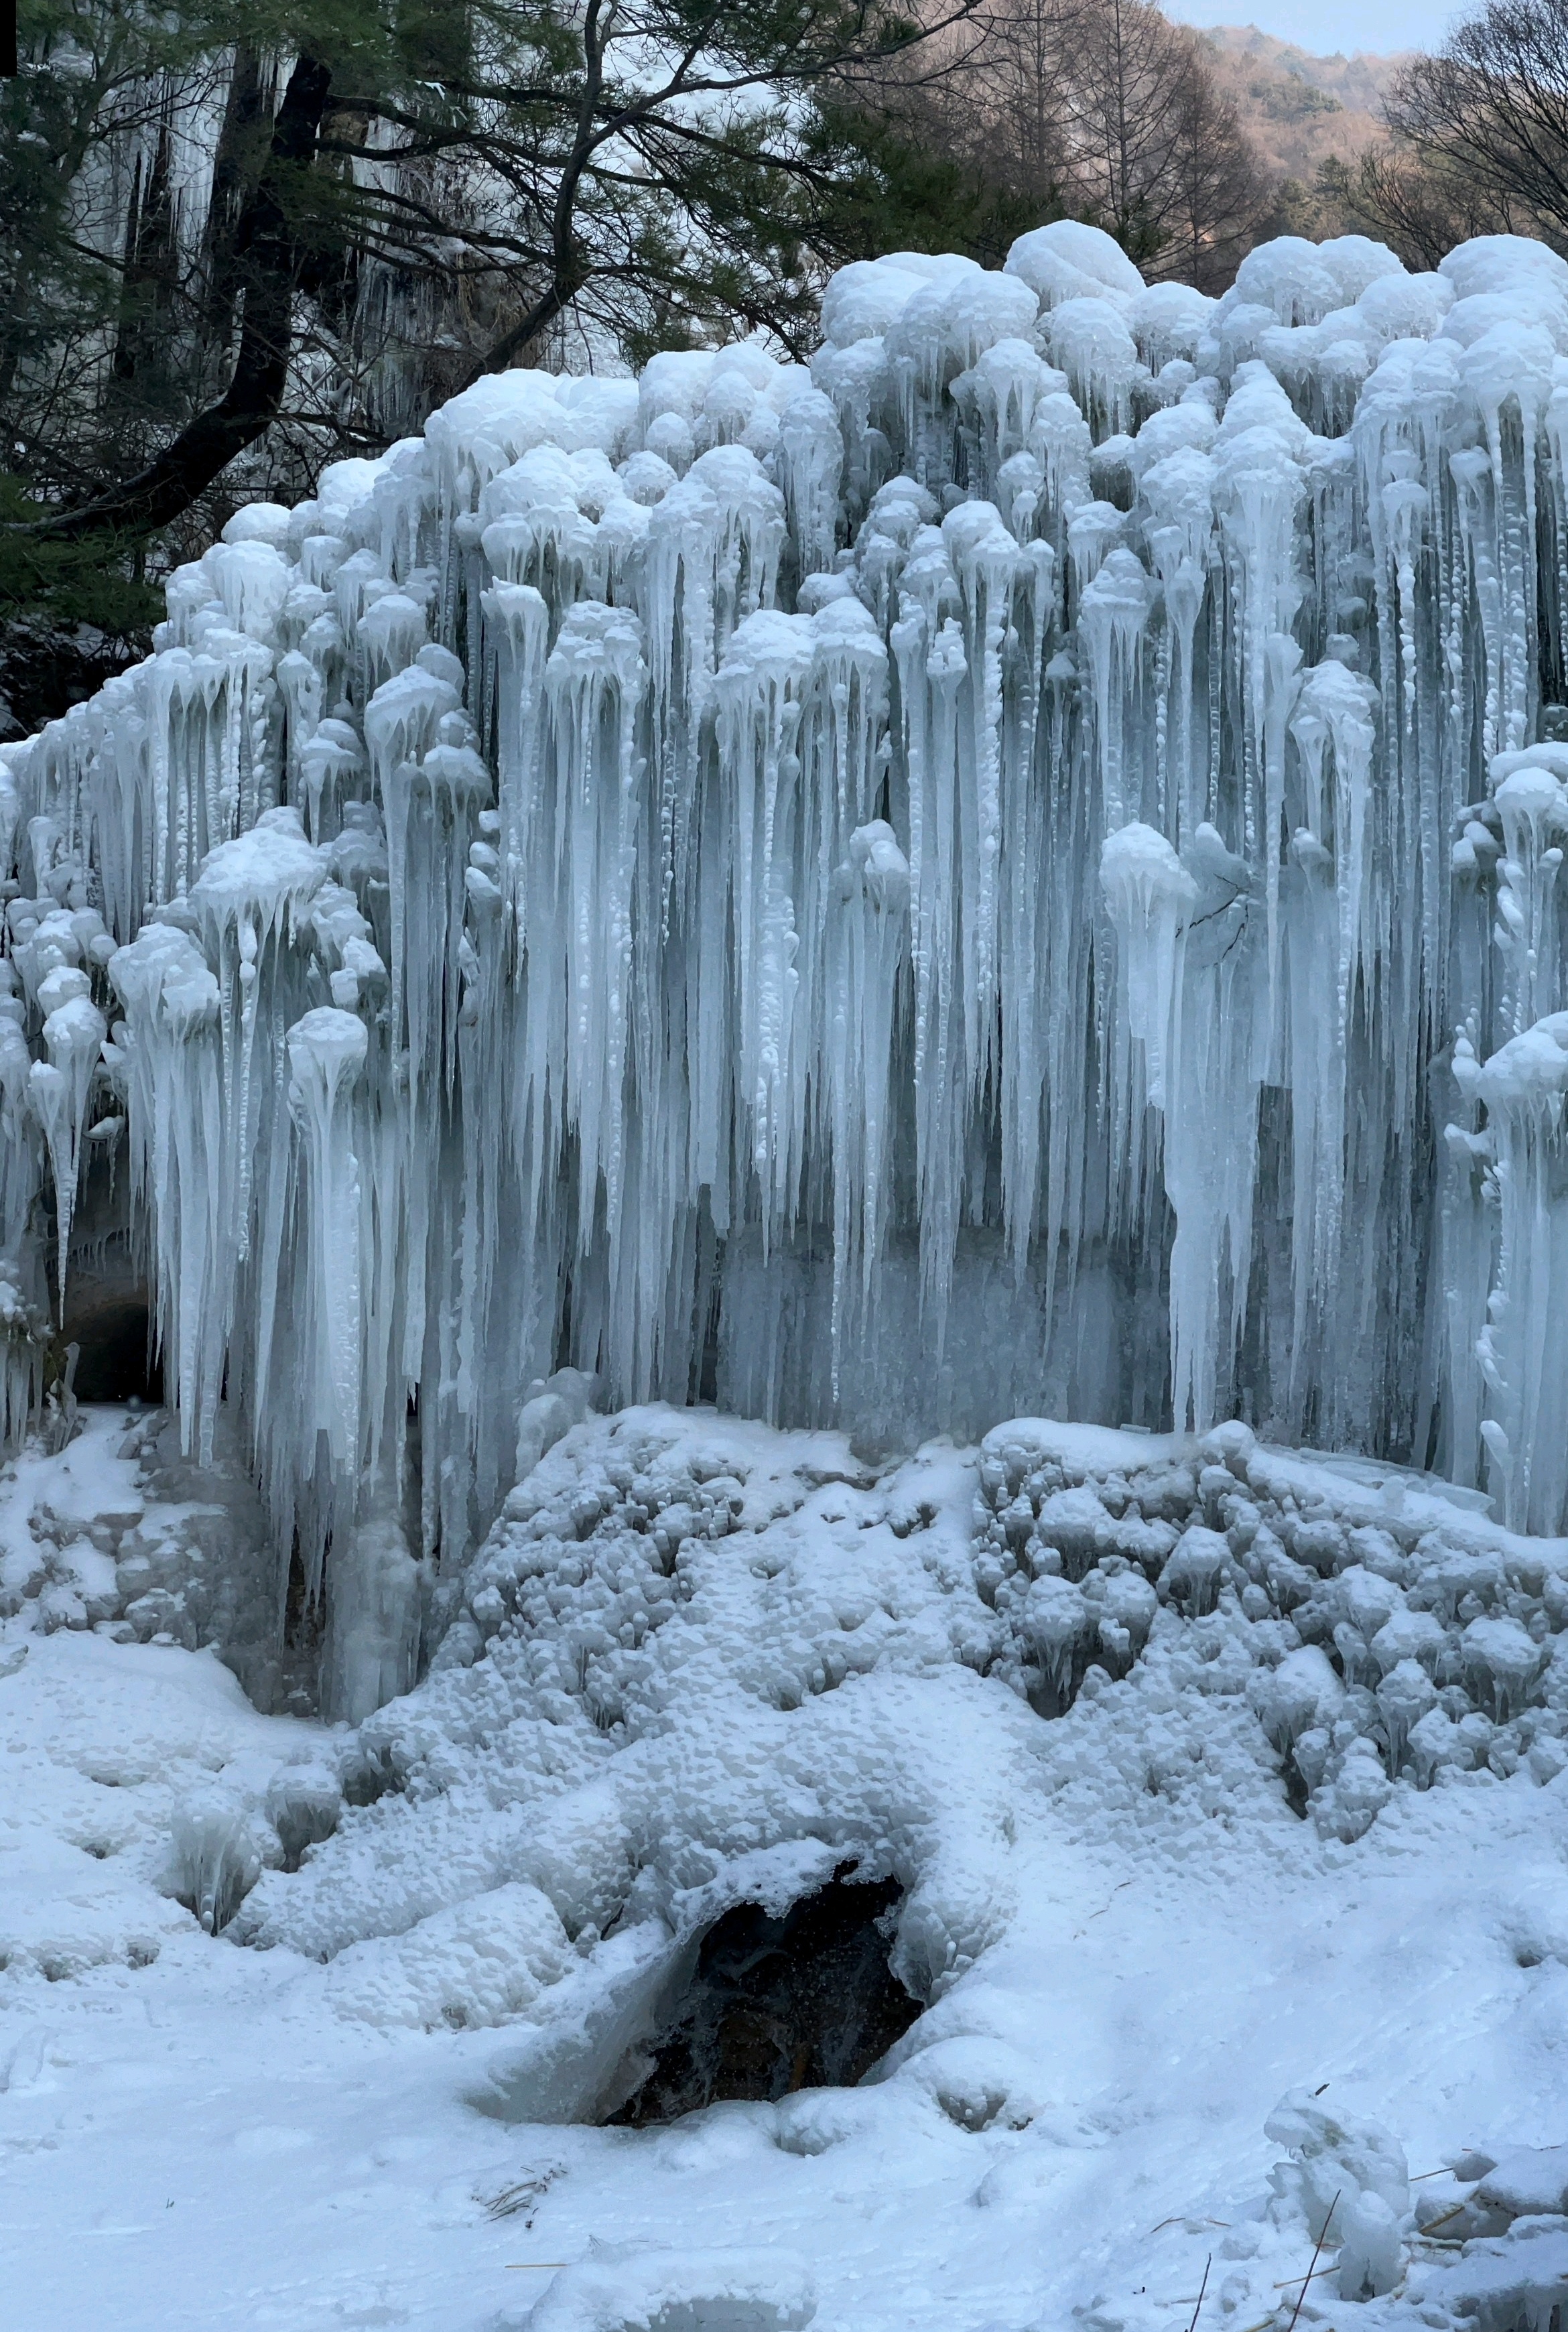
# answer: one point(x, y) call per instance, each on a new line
point(238, 162)
point(268, 259)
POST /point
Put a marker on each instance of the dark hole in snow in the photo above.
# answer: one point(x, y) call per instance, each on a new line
point(114, 1360)
point(369, 1776)
point(774, 2005)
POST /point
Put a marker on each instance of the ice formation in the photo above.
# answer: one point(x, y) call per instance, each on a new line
point(1017, 868)
point(697, 1663)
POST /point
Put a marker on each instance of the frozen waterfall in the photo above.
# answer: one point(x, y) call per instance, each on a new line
point(1018, 869)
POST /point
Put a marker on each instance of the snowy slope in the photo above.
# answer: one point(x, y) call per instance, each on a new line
point(700, 1662)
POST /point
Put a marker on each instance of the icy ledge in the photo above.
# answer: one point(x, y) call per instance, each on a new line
point(665, 1582)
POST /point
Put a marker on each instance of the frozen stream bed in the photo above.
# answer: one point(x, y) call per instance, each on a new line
point(698, 1665)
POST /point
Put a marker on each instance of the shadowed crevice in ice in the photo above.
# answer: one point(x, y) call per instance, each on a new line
point(776, 2004)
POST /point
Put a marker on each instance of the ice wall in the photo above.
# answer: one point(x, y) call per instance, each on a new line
point(1017, 868)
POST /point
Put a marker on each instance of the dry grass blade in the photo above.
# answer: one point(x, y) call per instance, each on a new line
point(1432, 2225)
point(513, 2198)
point(1311, 2271)
point(1289, 2280)
point(507, 2205)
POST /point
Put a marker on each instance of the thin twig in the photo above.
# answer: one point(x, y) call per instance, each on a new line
point(1289, 2280)
point(1316, 2248)
point(1201, 2290)
point(512, 2199)
point(1100, 1915)
point(1444, 2220)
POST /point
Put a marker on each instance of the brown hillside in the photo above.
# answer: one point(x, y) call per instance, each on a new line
point(1301, 110)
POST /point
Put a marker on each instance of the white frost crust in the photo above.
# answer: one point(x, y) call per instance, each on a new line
point(1139, 1896)
point(727, 2290)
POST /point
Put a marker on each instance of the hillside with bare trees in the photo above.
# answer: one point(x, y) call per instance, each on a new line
point(1301, 110)
point(1103, 111)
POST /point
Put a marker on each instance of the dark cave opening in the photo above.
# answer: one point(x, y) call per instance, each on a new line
point(115, 1361)
point(774, 2005)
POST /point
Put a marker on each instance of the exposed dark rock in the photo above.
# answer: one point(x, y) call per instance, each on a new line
point(774, 2005)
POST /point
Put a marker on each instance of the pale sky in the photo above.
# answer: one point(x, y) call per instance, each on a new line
point(1323, 26)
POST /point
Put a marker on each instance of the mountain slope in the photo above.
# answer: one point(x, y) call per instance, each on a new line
point(1301, 108)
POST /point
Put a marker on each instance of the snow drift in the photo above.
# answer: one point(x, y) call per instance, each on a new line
point(700, 1664)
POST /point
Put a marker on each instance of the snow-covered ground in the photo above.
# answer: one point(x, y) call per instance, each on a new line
point(699, 1663)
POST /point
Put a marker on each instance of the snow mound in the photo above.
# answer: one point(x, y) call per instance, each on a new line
point(118, 1531)
point(698, 1664)
point(702, 1678)
point(135, 1806)
point(715, 2291)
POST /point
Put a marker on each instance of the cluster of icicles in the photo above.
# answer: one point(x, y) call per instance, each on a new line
point(1014, 869)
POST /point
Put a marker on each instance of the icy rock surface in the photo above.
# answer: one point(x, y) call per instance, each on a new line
point(1018, 867)
point(118, 1532)
point(1379, 1629)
